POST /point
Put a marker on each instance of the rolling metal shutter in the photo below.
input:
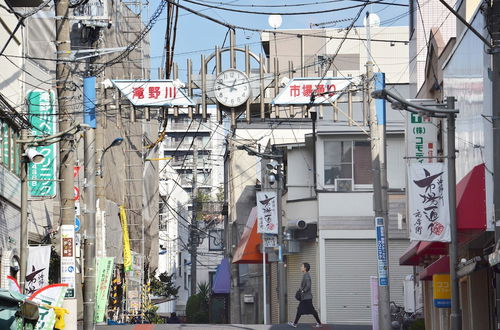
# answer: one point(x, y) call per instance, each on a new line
point(308, 253)
point(349, 265)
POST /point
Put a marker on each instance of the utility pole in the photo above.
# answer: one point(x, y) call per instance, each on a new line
point(281, 264)
point(24, 213)
point(494, 25)
point(66, 160)
point(378, 152)
point(90, 203)
point(194, 223)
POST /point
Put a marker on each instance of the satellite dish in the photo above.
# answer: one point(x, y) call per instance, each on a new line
point(275, 21)
point(374, 20)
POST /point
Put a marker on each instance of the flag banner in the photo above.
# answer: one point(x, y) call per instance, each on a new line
point(37, 271)
point(12, 284)
point(428, 205)
point(127, 254)
point(103, 280)
point(267, 212)
point(47, 297)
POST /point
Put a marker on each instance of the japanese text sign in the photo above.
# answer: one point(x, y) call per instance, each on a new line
point(267, 212)
point(441, 290)
point(428, 205)
point(153, 93)
point(382, 261)
point(42, 176)
point(299, 90)
point(421, 133)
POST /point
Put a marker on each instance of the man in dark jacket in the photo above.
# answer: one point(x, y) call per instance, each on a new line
point(305, 305)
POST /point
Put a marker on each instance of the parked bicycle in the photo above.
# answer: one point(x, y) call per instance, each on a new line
point(401, 319)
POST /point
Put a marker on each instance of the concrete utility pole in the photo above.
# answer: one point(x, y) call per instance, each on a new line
point(281, 263)
point(24, 213)
point(378, 151)
point(90, 203)
point(495, 36)
point(194, 223)
point(66, 158)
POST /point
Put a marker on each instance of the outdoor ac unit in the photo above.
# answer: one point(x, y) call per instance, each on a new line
point(343, 184)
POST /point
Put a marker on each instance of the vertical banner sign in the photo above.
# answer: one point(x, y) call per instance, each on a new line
point(428, 206)
point(421, 135)
point(53, 296)
point(68, 262)
point(383, 267)
point(267, 212)
point(127, 254)
point(41, 177)
point(441, 290)
point(103, 281)
point(37, 271)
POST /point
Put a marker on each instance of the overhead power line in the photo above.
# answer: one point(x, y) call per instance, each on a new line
point(285, 5)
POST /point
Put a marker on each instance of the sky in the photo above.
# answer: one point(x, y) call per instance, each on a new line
point(197, 36)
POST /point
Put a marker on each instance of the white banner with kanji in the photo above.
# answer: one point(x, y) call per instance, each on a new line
point(267, 212)
point(299, 90)
point(153, 93)
point(428, 203)
point(37, 271)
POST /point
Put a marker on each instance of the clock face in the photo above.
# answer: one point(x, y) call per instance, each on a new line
point(232, 88)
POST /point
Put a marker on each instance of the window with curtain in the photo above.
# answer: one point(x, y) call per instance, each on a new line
point(347, 165)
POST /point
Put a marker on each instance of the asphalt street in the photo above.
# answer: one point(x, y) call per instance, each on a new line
point(230, 327)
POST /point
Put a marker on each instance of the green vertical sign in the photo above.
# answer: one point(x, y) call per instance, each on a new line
point(41, 177)
point(103, 279)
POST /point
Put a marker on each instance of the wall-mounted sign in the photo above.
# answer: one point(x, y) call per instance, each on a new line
point(299, 90)
point(153, 93)
point(42, 176)
point(441, 290)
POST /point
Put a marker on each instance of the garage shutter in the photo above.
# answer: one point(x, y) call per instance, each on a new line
point(294, 278)
point(349, 265)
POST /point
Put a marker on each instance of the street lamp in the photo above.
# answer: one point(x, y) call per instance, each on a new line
point(449, 112)
point(116, 142)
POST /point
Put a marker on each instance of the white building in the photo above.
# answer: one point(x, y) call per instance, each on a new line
point(176, 183)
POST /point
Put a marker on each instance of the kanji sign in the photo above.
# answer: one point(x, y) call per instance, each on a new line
point(299, 90)
point(153, 93)
point(428, 206)
point(421, 135)
point(382, 261)
point(42, 176)
point(267, 212)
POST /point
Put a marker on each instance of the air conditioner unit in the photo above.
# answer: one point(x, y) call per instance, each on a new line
point(343, 184)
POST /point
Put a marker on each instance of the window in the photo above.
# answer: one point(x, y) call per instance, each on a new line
point(211, 278)
point(348, 165)
point(216, 240)
point(179, 255)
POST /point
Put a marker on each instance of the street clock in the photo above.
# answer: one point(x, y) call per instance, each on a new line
point(232, 88)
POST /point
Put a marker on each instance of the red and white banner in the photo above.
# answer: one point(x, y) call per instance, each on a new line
point(267, 212)
point(153, 93)
point(299, 90)
point(51, 295)
point(428, 205)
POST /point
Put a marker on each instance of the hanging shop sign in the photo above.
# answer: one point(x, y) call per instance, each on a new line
point(103, 281)
point(42, 176)
point(37, 270)
point(298, 91)
point(421, 135)
point(153, 93)
point(428, 205)
point(267, 212)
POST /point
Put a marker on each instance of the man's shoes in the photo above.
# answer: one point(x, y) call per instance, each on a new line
point(318, 325)
point(292, 324)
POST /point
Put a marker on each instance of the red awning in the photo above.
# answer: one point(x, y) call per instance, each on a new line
point(440, 266)
point(247, 251)
point(417, 250)
point(471, 201)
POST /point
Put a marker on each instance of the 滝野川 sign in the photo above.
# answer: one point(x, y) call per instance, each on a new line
point(153, 93)
point(42, 176)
